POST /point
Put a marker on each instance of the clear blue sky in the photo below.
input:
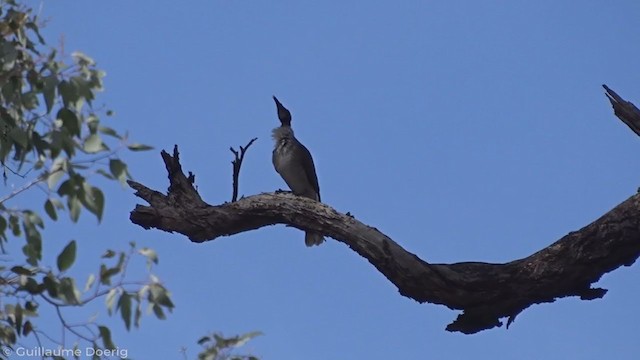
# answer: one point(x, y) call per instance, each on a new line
point(466, 131)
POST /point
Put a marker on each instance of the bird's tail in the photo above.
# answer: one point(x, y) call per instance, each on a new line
point(311, 239)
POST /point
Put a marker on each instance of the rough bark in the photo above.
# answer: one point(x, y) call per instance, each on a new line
point(484, 292)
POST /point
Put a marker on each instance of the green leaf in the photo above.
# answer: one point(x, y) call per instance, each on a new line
point(69, 292)
point(203, 340)
point(82, 59)
point(69, 121)
point(36, 30)
point(33, 249)
point(105, 334)
point(96, 350)
point(89, 283)
point(69, 92)
point(31, 306)
point(33, 218)
point(57, 203)
point(30, 100)
point(107, 273)
point(27, 328)
point(19, 136)
point(68, 145)
point(32, 286)
point(52, 285)
point(41, 146)
point(119, 170)
point(21, 271)
point(34, 79)
point(109, 131)
point(159, 295)
point(93, 144)
point(61, 140)
point(67, 256)
point(50, 210)
point(105, 174)
point(84, 89)
point(95, 79)
point(18, 318)
point(3, 226)
point(55, 145)
point(5, 146)
point(138, 314)
point(142, 292)
point(150, 254)
point(80, 167)
point(49, 91)
point(244, 338)
point(53, 178)
point(110, 299)
point(139, 147)
point(93, 200)
point(14, 225)
point(74, 207)
point(70, 186)
point(58, 169)
point(157, 311)
point(124, 304)
point(108, 254)
point(7, 335)
point(93, 123)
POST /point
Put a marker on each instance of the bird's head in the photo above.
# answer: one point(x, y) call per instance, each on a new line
point(283, 114)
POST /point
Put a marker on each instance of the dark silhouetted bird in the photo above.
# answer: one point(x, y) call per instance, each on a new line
point(294, 163)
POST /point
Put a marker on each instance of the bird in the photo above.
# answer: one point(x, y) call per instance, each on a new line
point(293, 161)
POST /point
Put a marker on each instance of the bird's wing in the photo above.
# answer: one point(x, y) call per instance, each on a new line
point(310, 170)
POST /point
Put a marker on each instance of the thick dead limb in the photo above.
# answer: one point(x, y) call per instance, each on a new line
point(484, 292)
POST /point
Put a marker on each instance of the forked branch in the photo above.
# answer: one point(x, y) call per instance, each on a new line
point(237, 164)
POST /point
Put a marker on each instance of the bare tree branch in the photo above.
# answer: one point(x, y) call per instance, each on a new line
point(624, 110)
point(237, 163)
point(484, 292)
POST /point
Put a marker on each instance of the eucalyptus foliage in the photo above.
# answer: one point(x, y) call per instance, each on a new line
point(54, 137)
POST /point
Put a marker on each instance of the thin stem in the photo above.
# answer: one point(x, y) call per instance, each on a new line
point(27, 186)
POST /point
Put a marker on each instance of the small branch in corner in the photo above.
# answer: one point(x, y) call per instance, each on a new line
point(237, 163)
point(624, 110)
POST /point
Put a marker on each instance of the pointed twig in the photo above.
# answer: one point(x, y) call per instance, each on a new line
point(237, 163)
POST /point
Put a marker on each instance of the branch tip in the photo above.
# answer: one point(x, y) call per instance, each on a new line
point(237, 164)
